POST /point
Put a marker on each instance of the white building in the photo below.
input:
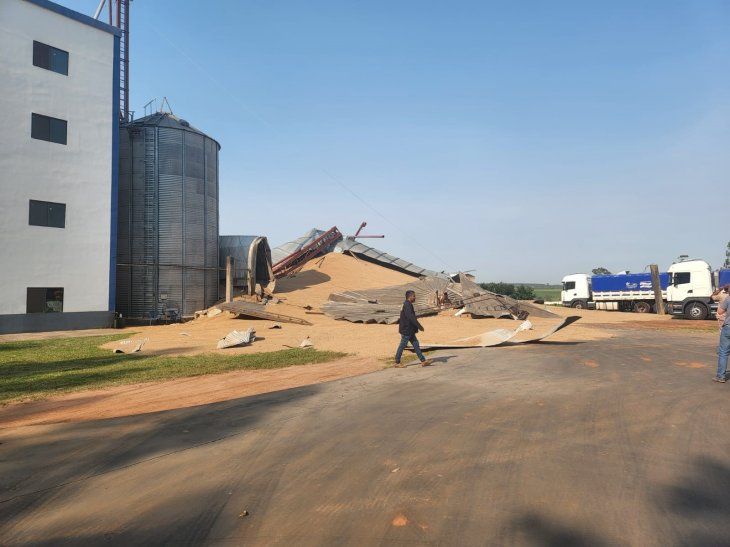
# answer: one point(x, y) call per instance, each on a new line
point(59, 107)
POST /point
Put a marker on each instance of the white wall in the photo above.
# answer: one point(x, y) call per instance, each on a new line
point(78, 174)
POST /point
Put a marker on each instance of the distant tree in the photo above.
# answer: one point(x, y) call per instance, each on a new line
point(524, 293)
point(727, 256)
point(518, 292)
point(505, 289)
point(600, 271)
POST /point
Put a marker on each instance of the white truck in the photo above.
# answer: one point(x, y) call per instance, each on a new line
point(620, 292)
point(691, 283)
point(687, 289)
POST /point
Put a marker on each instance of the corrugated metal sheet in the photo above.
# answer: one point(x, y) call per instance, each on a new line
point(384, 305)
point(483, 303)
point(237, 338)
point(524, 334)
point(282, 251)
point(352, 246)
point(260, 311)
point(168, 218)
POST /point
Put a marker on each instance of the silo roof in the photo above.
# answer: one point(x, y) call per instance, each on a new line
point(285, 249)
point(166, 119)
point(349, 245)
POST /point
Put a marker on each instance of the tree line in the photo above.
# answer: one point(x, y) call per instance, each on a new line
point(518, 292)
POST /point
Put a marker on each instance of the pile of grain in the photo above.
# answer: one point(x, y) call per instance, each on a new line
point(312, 287)
point(335, 272)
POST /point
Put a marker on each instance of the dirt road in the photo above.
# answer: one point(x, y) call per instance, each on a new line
point(132, 399)
point(612, 441)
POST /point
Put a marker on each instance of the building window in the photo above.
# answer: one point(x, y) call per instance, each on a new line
point(44, 300)
point(47, 213)
point(46, 128)
point(50, 58)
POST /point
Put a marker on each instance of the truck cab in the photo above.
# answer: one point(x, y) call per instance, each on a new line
point(576, 291)
point(690, 289)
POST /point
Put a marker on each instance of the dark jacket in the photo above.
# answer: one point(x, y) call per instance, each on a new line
point(408, 325)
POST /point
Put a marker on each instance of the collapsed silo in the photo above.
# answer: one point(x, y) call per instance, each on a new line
point(252, 269)
point(167, 244)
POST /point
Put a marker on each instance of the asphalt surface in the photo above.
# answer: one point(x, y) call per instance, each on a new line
point(620, 441)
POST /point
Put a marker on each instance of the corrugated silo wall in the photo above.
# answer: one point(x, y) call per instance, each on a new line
point(168, 222)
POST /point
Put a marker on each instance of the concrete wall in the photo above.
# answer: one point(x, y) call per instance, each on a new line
point(78, 174)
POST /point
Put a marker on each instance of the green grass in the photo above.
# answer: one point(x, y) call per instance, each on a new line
point(548, 294)
point(38, 368)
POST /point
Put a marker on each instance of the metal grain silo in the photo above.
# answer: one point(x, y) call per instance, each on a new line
point(167, 245)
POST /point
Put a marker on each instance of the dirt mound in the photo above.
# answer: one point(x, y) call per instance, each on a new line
point(310, 288)
point(335, 272)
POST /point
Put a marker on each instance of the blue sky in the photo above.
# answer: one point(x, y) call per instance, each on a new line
point(526, 140)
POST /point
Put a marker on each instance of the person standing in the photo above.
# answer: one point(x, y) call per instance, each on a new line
point(723, 349)
point(719, 296)
point(408, 326)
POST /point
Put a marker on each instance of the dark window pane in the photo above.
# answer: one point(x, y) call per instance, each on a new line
point(44, 300)
point(680, 278)
point(57, 215)
point(46, 128)
point(58, 131)
point(35, 301)
point(50, 58)
point(38, 215)
point(46, 213)
point(41, 55)
point(54, 300)
point(40, 127)
point(59, 61)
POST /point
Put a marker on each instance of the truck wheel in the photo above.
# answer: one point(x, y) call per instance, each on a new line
point(642, 307)
point(578, 305)
point(696, 310)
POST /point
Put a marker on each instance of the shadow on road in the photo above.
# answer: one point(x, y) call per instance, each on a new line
point(700, 504)
point(534, 529)
point(556, 343)
point(37, 467)
point(442, 358)
point(696, 511)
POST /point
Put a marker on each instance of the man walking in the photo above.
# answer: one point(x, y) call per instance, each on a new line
point(723, 350)
point(408, 326)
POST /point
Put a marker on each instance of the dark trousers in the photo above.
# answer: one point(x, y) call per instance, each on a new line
point(404, 339)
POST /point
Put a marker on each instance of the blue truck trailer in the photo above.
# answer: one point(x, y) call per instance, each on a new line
point(627, 292)
point(686, 290)
point(619, 292)
point(626, 284)
point(723, 278)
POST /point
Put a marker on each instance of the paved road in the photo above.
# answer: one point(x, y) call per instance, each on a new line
point(620, 441)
